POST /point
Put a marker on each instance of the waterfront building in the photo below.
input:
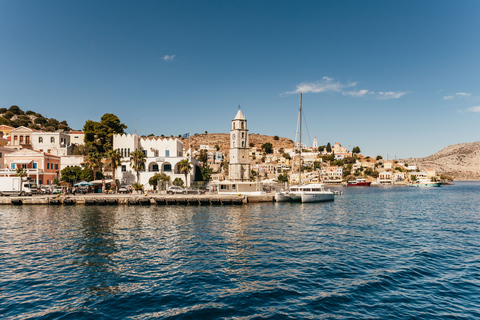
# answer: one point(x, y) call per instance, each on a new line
point(385, 178)
point(3, 152)
point(40, 166)
point(162, 155)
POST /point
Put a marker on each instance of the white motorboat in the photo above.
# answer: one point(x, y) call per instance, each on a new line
point(313, 192)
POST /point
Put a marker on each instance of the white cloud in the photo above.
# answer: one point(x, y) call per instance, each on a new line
point(474, 109)
point(325, 85)
point(328, 84)
point(169, 57)
point(391, 95)
point(359, 93)
point(458, 95)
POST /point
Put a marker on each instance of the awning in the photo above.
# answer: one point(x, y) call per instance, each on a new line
point(101, 181)
point(84, 183)
point(21, 161)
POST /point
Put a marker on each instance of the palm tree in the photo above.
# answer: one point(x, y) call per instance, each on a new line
point(94, 162)
point(185, 167)
point(137, 162)
point(21, 172)
point(113, 160)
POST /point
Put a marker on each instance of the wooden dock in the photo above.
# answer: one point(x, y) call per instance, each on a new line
point(136, 199)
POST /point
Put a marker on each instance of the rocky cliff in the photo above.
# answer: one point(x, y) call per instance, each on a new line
point(461, 161)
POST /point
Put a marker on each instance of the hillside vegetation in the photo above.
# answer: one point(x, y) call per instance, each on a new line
point(223, 141)
point(16, 117)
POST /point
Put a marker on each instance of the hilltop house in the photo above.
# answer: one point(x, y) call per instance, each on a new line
point(162, 155)
point(56, 143)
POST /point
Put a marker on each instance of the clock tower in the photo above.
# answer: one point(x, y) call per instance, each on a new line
point(239, 168)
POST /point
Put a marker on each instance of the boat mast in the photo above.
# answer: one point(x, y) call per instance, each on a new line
point(300, 143)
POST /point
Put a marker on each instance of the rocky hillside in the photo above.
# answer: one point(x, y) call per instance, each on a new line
point(461, 161)
point(16, 117)
point(223, 141)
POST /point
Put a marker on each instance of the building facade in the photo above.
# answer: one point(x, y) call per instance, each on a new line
point(239, 168)
point(40, 166)
point(162, 155)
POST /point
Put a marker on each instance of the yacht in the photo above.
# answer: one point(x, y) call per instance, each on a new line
point(313, 192)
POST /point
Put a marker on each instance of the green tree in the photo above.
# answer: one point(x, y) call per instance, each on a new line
point(282, 178)
point(217, 147)
point(203, 156)
point(15, 110)
point(113, 160)
point(329, 147)
point(286, 156)
point(21, 172)
point(100, 134)
point(379, 157)
point(206, 173)
point(185, 167)
point(276, 138)
point(153, 181)
point(267, 147)
point(356, 150)
point(93, 161)
point(137, 162)
point(251, 144)
point(178, 182)
point(71, 174)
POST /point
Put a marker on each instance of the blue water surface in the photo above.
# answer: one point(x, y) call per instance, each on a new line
point(373, 253)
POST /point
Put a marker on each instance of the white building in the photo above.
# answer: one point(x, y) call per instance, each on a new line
point(162, 155)
point(77, 137)
point(56, 143)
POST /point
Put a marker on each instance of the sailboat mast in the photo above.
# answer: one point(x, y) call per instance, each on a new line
point(300, 143)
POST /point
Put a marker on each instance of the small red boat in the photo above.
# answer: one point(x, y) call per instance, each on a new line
point(360, 182)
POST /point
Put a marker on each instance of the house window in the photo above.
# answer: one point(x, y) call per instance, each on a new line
point(12, 165)
point(167, 153)
point(21, 139)
point(1, 155)
point(154, 167)
point(128, 152)
point(40, 181)
point(40, 140)
point(52, 139)
point(48, 165)
point(155, 153)
point(124, 168)
point(35, 165)
point(48, 182)
point(56, 166)
point(167, 167)
point(24, 166)
point(75, 137)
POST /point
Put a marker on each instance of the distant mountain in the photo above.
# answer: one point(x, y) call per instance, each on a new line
point(16, 117)
point(461, 161)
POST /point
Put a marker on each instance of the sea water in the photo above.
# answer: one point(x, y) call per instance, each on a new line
point(373, 253)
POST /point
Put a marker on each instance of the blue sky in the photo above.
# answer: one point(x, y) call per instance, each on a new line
point(397, 78)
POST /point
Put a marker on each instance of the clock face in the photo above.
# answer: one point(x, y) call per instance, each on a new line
point(233, 136)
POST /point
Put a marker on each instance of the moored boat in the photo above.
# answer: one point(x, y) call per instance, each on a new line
point(425, 183)
point(313, 192)
point(360, 182)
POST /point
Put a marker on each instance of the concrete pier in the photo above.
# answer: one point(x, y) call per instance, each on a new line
point(136, 200)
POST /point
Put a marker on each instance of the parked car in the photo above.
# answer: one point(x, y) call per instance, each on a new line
point(175, 190)
point(195, 191)
point(81, 189)
point(123, 189)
